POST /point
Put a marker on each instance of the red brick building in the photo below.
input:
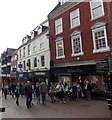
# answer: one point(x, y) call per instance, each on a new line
point(81, 41)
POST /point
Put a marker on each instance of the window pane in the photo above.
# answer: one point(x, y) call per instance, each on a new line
point(100, 39)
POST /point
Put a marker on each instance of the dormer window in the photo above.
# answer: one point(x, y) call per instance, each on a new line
point(39, 30)
point(64, 1)
point(32, 34)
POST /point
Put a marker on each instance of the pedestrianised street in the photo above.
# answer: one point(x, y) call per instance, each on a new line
point(72, 109)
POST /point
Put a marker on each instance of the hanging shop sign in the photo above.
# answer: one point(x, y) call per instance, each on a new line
point(102, 65)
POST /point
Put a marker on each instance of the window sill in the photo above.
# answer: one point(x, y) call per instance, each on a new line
point(75, 26)
point(59, 33)
point(101, 50)
point(61, 57)
point(78, 54)
point(97, 17)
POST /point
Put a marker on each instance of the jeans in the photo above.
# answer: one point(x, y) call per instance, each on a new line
point(17, 99)
point(28, 100)
point(38, 98)
point(43, 97)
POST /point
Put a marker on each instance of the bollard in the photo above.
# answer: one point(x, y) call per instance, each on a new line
point(110, 105)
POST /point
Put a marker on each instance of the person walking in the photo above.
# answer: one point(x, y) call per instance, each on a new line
point(5, 89)
point(37, 92)
point(52, 92)
point(88, 90)
point(43, 90)
point(17, 93)
point(28, 93)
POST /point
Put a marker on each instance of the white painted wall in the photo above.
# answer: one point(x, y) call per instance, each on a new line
point(38, 53)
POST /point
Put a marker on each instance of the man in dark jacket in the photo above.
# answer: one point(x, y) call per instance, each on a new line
point(88, 90)
point(28, 93)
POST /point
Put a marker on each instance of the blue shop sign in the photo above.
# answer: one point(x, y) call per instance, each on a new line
point(22, 75)
point(19, 65)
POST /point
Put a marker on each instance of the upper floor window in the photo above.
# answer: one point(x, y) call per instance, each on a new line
point(76, 43)
point(41, 43)
point(34, 47)
point(20, 53)
point(42, 61)
point(75, 18)
point(24, 65)
point(58, 26)
point(29, 49)
point(97, 8)
point(29, 64)
point(59, 48)
point(100, 39)
point(24, 52)
point(35, 62)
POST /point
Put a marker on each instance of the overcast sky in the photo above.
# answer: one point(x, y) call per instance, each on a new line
point(19, 17)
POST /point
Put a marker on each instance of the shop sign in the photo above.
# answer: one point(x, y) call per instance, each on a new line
point(74, 71)
point(40, 73)
point(21, 75)
point(102, 65)
point(19, 65)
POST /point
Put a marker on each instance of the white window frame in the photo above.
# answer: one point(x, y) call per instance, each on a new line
point(75, 17)
point(29, 49)
point(35, 58)
point(102, 6)
point(20, 54)
point(59, 40)
point(58, 23)
point(41, 43)
point(41, 61)
point(24, 51)
point(34, 47)
point(72, 41)
point(105, 34)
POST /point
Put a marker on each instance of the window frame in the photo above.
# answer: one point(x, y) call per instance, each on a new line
point(77, 17)
point(72, 41)
point(61, 26)
point(94, 43)
point(59, 40)
point(35, 59)
point(42, 61)
point(91, 10)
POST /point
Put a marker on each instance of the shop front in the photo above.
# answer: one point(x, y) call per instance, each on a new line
point(40, 76)
point(21, 77)
point(80, 74)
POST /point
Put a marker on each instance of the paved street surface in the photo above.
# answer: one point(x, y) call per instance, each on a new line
point(76, 109)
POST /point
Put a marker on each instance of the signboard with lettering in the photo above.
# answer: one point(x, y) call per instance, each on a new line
point(102, 65)
point(110, 64)
point(21, 75)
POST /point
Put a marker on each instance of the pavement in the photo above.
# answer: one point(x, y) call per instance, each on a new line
point(72, 109)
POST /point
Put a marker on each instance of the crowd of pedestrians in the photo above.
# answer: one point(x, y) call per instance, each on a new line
point(57, 92)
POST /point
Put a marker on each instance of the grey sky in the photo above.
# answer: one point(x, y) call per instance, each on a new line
point(20, 17)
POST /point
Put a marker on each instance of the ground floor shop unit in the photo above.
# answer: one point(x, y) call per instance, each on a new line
point(40, 76)
point(79, 74)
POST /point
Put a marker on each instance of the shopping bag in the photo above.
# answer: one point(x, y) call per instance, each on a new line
point(82, 94)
